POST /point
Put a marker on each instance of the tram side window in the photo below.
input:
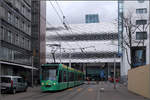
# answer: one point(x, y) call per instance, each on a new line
point(64, 77)
point(70, 76)
point(80, 77)
point(76, 77)
point(60, 76)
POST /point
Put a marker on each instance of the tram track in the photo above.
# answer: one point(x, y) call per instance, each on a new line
point(68, 94)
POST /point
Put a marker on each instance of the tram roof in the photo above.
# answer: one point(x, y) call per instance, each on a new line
point(64, 66)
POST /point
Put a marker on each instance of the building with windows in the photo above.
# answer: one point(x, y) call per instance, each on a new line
point(138, 13)
point(15, 37)
point(22, 34)
point(93, 47)
point(38, 11)
point(91, 18)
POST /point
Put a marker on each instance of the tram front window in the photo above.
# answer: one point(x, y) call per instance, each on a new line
point(49, 74)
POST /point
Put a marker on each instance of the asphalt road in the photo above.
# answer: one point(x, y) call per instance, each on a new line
point(92, 91)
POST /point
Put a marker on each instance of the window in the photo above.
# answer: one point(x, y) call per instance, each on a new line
point(138, 56)
point(23, 26)
point(49, 74)
point(16, 39)
point(29, 13)
point(141, 22)
point(28, 44)
point(23, 42)
point(28, 29)
point(17, 21)
point(141, 10)
point(5, 35)
point(13, 38)
point(9, 17)
point(141, 1)
point(20, 80)
point(141, 35)
point(71, 76)
point(2, 33)
point(9, 37)
point(17, 4)
point(23, 9)
point(64, 76)
point(60, 76)
point(5, 80)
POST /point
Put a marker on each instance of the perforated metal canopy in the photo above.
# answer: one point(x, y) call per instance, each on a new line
point(94, 42)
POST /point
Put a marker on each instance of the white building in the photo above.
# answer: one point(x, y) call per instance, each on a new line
point(92, 38)
point(92, 45)
point(139, 12)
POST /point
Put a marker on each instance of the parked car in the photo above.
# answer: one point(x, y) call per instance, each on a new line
point(12, 84)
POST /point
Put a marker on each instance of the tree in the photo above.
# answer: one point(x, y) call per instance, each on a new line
point(132, 24)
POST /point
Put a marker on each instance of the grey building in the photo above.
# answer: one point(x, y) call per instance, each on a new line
point(91, 18)
point(38, 30)
point(15, 37)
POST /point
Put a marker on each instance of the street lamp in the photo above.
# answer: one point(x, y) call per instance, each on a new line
point(114, 71)
point(0, 80)
point(114, 78)
point(32, 70)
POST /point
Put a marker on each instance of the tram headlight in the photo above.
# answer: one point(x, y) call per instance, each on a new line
point(42, 83)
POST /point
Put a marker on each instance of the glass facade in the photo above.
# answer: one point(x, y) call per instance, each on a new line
point(120, 27)
point(92, 18)
point(38, 31)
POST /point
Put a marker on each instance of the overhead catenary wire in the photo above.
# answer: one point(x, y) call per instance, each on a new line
point(69, 27)
point(61, 36)
point(62, 21)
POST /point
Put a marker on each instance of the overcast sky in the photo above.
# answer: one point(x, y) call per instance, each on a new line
point(75, 11)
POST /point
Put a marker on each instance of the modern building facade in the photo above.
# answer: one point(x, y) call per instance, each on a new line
point(138, 11)
point(92, 46)
point(92, 18)
point(38, 30)
point(38, 10)
point(15, 37)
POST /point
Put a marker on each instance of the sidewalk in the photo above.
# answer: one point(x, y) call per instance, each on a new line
point(120, 93)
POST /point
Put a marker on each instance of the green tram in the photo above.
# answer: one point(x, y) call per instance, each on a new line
point(56, 77)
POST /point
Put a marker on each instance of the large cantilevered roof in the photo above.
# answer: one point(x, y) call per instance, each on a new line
point(94, 42)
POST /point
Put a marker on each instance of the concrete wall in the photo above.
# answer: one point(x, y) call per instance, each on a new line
point(139, 80)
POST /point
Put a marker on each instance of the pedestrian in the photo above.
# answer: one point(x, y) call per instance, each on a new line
point(88, 80)
point(102, 75)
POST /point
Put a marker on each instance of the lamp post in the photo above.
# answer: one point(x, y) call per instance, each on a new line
point(70, 59)
point(32, 71)
point(114, 71)
point(0, 80)
point(114, 78)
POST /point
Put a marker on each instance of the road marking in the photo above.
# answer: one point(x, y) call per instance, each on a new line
point(79, 89)
point(70, 89)
point(90, 89)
